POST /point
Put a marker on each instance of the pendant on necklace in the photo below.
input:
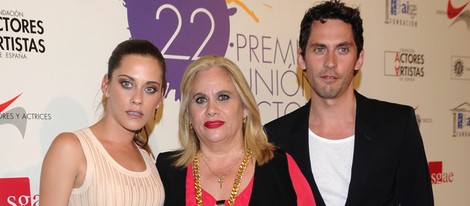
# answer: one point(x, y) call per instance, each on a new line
point(220, 180)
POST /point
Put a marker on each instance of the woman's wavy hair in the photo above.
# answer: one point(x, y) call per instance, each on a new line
point(254, 136)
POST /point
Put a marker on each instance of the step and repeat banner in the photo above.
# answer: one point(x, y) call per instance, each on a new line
point(53, 55)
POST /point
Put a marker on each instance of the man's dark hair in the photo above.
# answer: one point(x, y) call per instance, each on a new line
point(333, 9)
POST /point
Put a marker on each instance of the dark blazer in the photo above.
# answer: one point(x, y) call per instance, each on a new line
point(271, 186)
point(389, 163)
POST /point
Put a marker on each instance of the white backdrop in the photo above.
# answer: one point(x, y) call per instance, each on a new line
point(54, 53)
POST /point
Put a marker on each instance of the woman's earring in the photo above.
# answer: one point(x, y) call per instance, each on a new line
point(244, 120)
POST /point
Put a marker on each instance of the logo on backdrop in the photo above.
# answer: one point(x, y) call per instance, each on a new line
point(406, 64)
point(17, 191)
point(457, 13)
point(18, 116)
point(438, 176)
point(20, 35)
point(460, 68)
point(182, 30)
point(461, 120)
point(12, 116)
point(420, 119)
point(401, 13)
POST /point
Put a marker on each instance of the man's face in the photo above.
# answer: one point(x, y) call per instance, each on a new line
point(330, 58)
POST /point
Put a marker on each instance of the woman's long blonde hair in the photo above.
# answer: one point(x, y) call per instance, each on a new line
point(254, 136)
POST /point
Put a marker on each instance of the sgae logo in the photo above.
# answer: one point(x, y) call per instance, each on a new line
point(16, 191)
point(437, 175)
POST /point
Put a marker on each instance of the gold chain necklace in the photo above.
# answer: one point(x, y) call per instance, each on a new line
point(236, 182)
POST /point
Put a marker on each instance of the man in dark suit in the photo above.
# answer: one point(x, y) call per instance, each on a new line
point(353, 150)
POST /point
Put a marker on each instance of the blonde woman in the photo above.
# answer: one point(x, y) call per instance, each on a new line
point(225, 157)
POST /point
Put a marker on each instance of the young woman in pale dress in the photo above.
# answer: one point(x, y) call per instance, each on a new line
point(110, 162)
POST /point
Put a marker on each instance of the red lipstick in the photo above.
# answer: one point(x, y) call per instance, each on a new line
point(214, 124)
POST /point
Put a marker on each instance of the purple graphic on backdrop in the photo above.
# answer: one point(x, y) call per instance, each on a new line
point(182, 30)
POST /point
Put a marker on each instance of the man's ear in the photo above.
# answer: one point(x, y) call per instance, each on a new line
point(300, 59)
point(359, 61)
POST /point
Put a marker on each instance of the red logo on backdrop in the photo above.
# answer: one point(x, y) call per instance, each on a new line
point(458, 14)
point(437, 175)
point(454, 11)
point(16, 191)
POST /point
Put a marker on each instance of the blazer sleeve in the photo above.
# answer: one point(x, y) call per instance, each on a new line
point(173, 179)
point(413, 178)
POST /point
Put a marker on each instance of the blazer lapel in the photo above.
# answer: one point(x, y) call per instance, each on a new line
point(300, 129)
point(363, 149)
point(299, 149)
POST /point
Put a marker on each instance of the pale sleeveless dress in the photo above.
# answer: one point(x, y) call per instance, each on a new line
point(108, 183)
